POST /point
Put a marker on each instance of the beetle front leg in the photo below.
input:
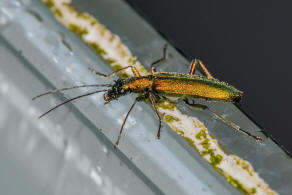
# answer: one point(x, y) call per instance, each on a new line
point(138, 99)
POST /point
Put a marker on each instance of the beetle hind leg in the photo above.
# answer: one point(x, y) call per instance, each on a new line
point(226, 121)
point(194, 65)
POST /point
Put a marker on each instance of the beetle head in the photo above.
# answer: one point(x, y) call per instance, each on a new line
point(115, 92)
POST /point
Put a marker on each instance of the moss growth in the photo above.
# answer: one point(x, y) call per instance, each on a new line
point(97, 49)
point(143, 70)
point(58, 13)
point(132, 60)
point(207, 152)
point(83, 15)
point(253, 190)
point(244, 165)
point(201, 134)
point(123, 53)
point(93, 22)
point(102, 30)
point(78, 30)
point(117, 67)
point(49, 3)
point(215, 159)
point(169, 118)
point(235, 183)
point(165, 105)
point(69, 6)
point(111, 61)
point(181, 133)
point(205, 144)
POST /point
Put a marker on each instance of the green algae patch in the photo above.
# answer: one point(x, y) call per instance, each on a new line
point(93, 22)
point(49, 3)
point(69, 6)
point(235, 183)
point(165, 105)
point(253, 190)
point(117, 67)
point(84, 16)
point(244, 166)
point(98, 49)
point(207, 152)
point(181, 133)
point(78, 30)
point(169, 118)
point(202, 134)
point(58, 13)
point(205, 144)
point(216, 159)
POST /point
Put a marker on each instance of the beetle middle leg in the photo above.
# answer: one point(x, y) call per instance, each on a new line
point(226, 121)
point(159, 60)
point(156, 112)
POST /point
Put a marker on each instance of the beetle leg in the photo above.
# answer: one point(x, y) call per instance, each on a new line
point(193, 68)
point(159, 60)
point(226, 121)
point(134, 70)
point(124, 122)
point(156, 112)
point(138, 99)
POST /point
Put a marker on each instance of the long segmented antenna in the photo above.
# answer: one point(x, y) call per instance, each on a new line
point(67, 101)
point(68, 88)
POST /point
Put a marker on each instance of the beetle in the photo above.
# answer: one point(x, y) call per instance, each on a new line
point(163, 85)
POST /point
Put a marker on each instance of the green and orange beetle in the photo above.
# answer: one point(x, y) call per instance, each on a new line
point(159, 85)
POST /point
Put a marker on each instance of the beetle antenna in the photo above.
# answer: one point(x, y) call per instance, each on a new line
point(68, 88)
point(69, 100)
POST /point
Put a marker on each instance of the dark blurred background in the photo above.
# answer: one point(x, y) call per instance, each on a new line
point(245, 43)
